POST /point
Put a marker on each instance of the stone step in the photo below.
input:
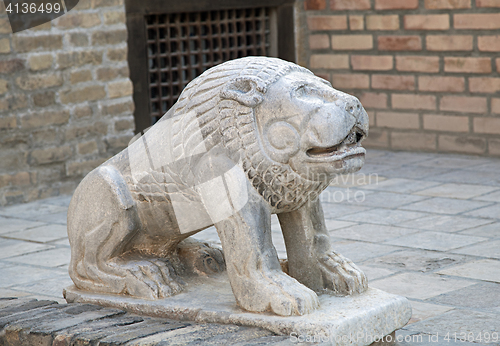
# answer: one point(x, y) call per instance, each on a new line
point(27, 321)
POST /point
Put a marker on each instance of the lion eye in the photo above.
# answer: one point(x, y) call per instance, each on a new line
point(301, 91)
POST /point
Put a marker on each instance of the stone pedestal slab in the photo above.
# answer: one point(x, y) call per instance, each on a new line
point(355, 320)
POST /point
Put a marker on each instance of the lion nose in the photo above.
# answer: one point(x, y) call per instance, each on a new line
point(354, 107)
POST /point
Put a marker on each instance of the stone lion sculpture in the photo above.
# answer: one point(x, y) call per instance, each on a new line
point(247, 138)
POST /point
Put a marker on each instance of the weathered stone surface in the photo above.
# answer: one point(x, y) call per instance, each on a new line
point(373, 313)
point(10, 66)
point(32, 322)
point(23, 44)
point(44, 99)
point(89, 93)
point(40, 62)
point(482, 296)
point(469, 325)
point(65, 60)
point(92, 331)
point(241, 335)
point(417, 260)
point(6, 302)
point(39, 119)
point(100, 38)
point(210, 165)
point(24, 306)
point(140, 330)
point(486, 269)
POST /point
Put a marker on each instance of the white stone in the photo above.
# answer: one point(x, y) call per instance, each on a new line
point(360, 318)
point(247, 139)
point(487, 270)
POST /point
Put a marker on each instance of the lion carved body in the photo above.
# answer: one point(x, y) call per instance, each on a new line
point(212, 160)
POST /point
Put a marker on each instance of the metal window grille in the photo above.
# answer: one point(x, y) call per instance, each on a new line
point(183, 45)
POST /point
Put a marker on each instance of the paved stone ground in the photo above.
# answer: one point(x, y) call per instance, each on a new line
point(425, 226)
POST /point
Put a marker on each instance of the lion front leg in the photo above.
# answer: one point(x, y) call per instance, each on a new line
point(310, 257)
point(243, 221)
point(255, 274)
point(256, 278)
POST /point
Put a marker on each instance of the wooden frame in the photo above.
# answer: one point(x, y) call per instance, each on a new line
point(282, 25)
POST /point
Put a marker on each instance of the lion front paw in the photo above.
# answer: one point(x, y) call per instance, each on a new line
point(341, 275)
point(278, 293)
point(151, 279)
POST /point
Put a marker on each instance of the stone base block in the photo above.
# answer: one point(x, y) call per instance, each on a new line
point(354, 320)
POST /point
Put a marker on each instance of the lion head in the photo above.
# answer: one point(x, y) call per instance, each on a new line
point(289, 130)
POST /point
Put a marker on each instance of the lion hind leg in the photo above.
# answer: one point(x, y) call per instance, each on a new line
point(101, 230)
point(101, 271)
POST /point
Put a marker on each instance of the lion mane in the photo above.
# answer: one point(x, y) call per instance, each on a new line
point(228, 123)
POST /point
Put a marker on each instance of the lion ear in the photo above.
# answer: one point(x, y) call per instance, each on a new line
point(248, 90)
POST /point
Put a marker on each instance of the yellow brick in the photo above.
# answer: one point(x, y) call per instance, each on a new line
point(377, 22)
point(447, 123)
point(330, 61)
point(40, 62)
point(352, 42)
point(4, 86)
point(356, 23)
point(119, 89)
point(4, 45)
point(398, 120)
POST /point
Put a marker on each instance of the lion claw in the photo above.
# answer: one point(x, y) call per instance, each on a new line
point(341, 275)
point(152, 279)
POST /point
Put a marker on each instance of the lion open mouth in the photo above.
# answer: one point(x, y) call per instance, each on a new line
point(345, 148)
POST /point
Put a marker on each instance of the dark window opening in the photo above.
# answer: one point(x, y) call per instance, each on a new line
point(175, 60)
point(170, 44)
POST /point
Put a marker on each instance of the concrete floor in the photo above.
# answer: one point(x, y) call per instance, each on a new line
point(424, 226)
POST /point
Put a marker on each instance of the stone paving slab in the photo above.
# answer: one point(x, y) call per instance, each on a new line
point(418, 285)
point(40, 234)
point(492, 211)
point(443, 205)
point(361, 251)
point(50, 258)
point(490, 197)
point(389, 199)
point(486, 178)
point(410, 172)
point(446, 223)
point(31, 210)
point(422, 311)
point(383, 216)
point(430, 240)
point(467, 325)
point(10, 248)
point(372, 233)
point(460, 191)
point(51, 287)
point(12, 225)
point(486, 270)
point(374, 273)
point(414, 338)
point(402, 185)
point(489, 249)
point(417, 260)
point(480, 296)
point(18, 274)
point(489, 231)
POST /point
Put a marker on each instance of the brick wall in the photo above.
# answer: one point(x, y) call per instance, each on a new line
point(427, 71)
point(65, 99)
